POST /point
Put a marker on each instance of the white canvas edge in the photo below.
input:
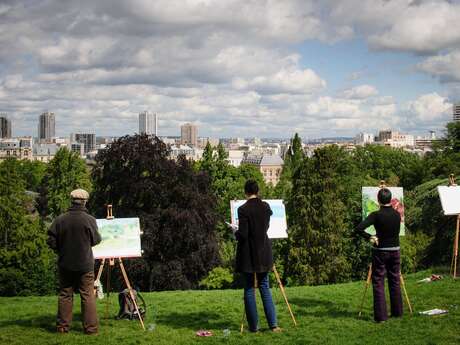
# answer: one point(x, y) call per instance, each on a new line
point(447, 210)
point(131, 253)
point(272, 234)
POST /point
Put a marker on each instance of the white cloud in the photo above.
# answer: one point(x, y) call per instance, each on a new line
point(228, 65)
point(427, 27)
point(360, 92)
point(429, 108)
point(335, 108)
point(445, 67)
point(414, 26)
point(351, 114)
point(293, 81)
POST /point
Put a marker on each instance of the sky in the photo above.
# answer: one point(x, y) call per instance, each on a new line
point(248, 68)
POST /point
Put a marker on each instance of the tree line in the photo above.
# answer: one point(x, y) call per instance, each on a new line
point(183, 206)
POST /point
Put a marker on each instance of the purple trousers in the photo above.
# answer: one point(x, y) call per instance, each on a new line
point(389, 262)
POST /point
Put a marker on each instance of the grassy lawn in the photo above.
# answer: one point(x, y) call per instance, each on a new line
point(325, 314)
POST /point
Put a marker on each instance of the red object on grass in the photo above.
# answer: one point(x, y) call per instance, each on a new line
point(203, 333)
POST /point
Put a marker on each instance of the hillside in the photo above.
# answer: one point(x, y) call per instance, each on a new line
point(325, 314)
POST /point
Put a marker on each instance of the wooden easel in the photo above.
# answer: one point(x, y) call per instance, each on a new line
point(283, 292)
point(368, 282)
point(369, 278)
point(125, 276)
point(453, 265)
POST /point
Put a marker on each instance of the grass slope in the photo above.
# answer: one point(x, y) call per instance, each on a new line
point(325, 315)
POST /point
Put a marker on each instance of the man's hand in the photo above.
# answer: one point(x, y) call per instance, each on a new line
point(374, 240)
point(233, 227)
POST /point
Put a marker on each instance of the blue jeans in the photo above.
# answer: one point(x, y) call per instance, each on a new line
point(250, 300)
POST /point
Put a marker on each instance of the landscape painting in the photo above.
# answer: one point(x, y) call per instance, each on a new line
point(121, 238)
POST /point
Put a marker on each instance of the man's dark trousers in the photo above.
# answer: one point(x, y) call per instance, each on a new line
point(389, 261)
point(84, 283)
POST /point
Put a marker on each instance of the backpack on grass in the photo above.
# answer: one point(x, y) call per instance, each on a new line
point(127, 307)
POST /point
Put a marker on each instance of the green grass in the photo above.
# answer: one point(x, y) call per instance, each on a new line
point(325, 315)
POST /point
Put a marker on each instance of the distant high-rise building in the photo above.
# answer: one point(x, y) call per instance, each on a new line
point(5, 126)
point(79, 148)
point(456, 112)
point(148, 123)
point(88, 139)
point(46, 127)
point(188, 134)
point(364, 138)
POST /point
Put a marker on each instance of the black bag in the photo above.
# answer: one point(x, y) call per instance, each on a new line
point(127, 307)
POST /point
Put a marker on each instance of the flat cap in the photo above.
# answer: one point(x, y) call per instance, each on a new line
point(79, 194)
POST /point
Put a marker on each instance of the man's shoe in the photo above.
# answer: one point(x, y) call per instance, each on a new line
point(62, 330)
point(276, 330)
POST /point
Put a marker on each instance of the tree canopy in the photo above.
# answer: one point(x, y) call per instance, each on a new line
point(26, 264)
point(174, 203)
point(64, 173)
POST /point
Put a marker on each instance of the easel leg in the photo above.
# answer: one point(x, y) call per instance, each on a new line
point(107, 303)
point(99, 273)
point(455, 256)
point(128, 285)
point(405, 292)
point(101, 268)
point(368, 282)
point(243, 317)
point(284, 294)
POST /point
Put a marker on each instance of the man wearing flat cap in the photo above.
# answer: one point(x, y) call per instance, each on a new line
point(72, 236)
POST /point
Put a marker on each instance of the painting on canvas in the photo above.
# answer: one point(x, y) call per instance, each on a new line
point(370, 204)
point(121, 238)
point(278, 224)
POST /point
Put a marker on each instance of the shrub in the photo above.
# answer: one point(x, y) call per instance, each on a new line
point(218, 278)
point(413, 251)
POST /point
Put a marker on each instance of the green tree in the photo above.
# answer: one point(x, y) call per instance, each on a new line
point(292, 160)
point(12, 197)
point(445, 159)
point(32, 173)
point(424, 216)
point(227, 182)
point(64, 173)
point(317, 228)
point(396, 166)
point(26, 264)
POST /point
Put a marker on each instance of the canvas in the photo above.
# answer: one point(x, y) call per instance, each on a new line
point(278, 224)
point(450, 199)
point(121, 238)
point(370, 204)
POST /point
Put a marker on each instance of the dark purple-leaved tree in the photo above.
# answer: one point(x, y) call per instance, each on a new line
point(176, 207)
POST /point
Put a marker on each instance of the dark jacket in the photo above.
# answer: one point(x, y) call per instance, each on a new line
point(254, 250)
point(71, 236)
point(387, 223)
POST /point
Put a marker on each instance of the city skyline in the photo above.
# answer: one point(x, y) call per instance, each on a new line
point(188, 132)
point(270, 70)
